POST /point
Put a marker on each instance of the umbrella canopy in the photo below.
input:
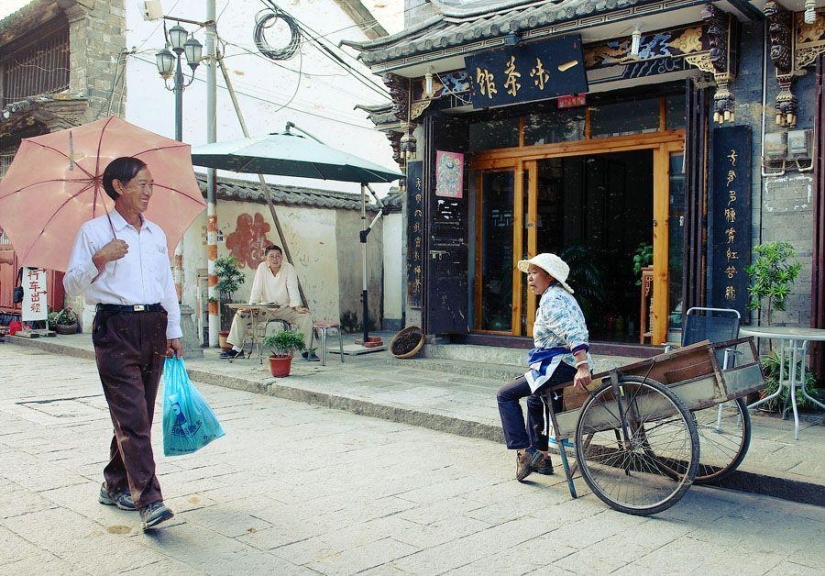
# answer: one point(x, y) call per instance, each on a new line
point(288, 154)
point(54, 185)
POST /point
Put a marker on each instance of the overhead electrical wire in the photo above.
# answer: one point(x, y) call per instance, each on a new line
point(261, 99)
point(329, 52)
point(268, 19)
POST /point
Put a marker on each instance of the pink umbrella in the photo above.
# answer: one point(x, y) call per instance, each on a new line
point(55, 184)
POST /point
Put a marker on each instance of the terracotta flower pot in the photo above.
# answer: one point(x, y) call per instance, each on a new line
point(280, 365)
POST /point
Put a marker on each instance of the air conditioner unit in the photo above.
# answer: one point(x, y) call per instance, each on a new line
point(152, 10)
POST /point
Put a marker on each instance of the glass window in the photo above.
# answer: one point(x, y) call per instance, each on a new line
point(675, 112)
point(494, 134)
point(551, 127)
point(633, 117)
point(497, 222)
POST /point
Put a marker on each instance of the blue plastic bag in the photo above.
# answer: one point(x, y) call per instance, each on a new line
point(188, 422)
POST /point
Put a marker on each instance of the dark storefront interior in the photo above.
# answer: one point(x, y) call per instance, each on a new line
point(594, 211)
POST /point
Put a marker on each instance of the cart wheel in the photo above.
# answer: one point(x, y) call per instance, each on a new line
point(640, 459)
point(724, 438)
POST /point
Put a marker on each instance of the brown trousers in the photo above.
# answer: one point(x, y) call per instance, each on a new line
point(130, 348)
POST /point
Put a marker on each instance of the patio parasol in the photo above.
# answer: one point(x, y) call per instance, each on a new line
point(288, 154)
point(54, 185)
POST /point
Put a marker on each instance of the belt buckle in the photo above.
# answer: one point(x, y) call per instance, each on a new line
point(139, 307)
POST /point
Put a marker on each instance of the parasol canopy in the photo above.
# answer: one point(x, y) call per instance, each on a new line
point(288, 154)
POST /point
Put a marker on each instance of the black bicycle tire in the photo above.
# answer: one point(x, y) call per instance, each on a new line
point(681, 484)
point(711, 474)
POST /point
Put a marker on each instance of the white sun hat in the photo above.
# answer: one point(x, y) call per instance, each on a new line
point(550, 263)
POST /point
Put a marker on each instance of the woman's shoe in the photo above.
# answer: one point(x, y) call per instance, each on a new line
point(232, 354)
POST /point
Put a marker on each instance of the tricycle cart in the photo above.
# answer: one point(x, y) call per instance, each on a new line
point(639, 428)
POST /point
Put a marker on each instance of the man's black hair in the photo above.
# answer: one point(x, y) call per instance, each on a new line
point(124, 169)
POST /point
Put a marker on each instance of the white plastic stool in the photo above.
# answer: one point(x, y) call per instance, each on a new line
point(322, 328)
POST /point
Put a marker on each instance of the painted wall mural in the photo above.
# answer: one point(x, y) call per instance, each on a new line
point(249, 240)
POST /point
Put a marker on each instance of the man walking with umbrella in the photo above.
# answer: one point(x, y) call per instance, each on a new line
point(120, 263)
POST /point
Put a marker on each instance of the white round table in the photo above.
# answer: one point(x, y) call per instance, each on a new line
point(793, 350)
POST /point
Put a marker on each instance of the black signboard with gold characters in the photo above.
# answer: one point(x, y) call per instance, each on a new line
point(527, 72)
point(731, 217)
point(415, 233)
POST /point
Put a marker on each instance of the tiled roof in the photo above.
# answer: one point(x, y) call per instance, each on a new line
point(457, 26)
point(244, 190)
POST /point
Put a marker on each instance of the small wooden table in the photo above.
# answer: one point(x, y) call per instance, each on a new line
point(793, 350)
point(253, 332)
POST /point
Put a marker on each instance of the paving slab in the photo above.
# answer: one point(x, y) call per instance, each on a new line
point(436, 390)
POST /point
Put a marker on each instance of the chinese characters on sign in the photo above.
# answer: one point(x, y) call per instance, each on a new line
point(527, 72)
point(35, 302)
point(731, 217)
point(415, 233)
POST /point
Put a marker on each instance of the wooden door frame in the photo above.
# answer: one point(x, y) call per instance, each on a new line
point(662, 143)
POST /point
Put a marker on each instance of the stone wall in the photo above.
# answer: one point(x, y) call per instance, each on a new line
point(97, 41)
point(781, 205)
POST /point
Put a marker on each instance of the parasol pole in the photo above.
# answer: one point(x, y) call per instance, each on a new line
point(267, 193)
point(365, 232)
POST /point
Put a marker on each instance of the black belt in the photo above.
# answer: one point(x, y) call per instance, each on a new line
point(131, 308)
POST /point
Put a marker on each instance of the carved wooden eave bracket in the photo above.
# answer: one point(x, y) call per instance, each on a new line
point(810, 40)
point(794, 46)
point(406, 111)
point(781, 52)
point(721, 60)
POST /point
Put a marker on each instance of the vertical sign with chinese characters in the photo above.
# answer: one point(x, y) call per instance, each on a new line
point(415, 233)
point(35, 301)
point(731, 207)
point(527, 72)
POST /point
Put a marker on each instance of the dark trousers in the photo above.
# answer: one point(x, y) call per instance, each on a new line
point(130, 349)
point(516, 435)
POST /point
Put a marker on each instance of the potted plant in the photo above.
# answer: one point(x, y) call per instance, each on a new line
point(642, 258)
point(771, 277)
point(770, 367)
point(283, 345)
point(63, 322)
point(230, 279)
point(229, 276)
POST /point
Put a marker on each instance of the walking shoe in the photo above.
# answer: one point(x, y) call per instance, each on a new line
point(310, 357)
point(544, 465)
point(526, 463)
point(231, 353)
point(122, 499)
point(154, 514)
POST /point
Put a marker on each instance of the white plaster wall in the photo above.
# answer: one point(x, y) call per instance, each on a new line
point(350, 261)
point(310, 236)
point(394, 278)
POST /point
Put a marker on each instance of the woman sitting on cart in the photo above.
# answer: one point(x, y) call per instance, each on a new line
point(561, 355)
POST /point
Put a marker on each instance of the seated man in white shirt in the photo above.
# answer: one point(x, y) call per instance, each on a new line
point(275, 283)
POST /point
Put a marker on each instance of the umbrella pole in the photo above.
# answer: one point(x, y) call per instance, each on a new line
point(267, 193)
point(364, 233)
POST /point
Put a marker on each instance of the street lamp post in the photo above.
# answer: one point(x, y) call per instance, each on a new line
point(181, 43)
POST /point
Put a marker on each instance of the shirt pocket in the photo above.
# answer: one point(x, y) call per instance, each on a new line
point(159, 264)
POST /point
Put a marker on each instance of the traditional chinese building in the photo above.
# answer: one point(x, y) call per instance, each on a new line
point(603, 131)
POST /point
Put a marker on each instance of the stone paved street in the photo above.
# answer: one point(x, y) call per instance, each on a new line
point(294, 488)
